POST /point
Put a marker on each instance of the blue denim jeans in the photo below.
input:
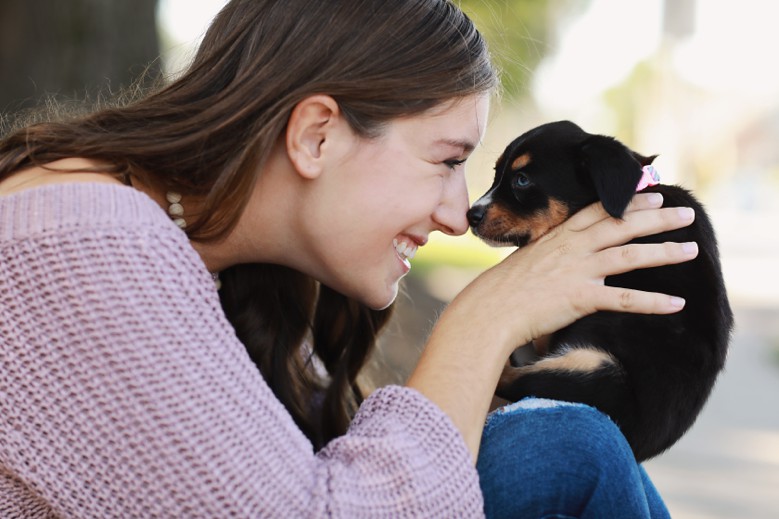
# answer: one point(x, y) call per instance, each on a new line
point(548, 459)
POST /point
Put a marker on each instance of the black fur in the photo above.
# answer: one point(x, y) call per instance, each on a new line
point(666, 365)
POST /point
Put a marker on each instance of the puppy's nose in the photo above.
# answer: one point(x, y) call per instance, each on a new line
point(476, 214)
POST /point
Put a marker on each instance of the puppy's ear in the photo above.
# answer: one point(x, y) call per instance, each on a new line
point(614, 171)
point(644, 161)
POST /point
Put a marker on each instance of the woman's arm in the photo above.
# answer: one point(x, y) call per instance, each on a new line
point(536, 291)
point(125, 393)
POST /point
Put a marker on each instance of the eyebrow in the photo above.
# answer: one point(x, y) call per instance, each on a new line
point(467, 146)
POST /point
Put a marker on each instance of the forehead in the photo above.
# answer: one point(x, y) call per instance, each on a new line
point(459, 123)
point(550, 141)
point(550, 136)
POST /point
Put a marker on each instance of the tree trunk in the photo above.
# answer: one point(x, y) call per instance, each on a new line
point(73, 48)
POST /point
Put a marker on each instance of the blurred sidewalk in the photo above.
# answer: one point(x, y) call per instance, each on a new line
point(727, 466)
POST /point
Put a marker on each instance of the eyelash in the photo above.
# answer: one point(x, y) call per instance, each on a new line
point(453, 163)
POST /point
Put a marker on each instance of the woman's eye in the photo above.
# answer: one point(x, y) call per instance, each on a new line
point(521, 180)
point(453, 163)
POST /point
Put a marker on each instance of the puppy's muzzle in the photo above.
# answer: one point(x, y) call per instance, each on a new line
point(476, 215)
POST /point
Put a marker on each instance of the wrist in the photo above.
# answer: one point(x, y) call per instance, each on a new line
point(459, 371)
point(478, 322)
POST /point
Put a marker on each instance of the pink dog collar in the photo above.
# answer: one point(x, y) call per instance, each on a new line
point(650, 178)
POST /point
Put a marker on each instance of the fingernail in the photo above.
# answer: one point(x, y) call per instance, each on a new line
point(677, 302)
point(690, 248)
point(686, 213)
point(655, 199)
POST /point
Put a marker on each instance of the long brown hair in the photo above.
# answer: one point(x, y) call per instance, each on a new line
point(208, 133)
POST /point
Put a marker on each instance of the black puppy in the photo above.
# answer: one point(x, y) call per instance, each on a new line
point(651, 374)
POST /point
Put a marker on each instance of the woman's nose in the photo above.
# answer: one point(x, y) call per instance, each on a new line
point(450, 214)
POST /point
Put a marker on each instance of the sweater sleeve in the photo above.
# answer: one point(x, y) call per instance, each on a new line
point(125, 393)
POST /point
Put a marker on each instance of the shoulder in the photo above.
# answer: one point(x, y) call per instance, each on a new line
point(63, 207)
point(65, 171)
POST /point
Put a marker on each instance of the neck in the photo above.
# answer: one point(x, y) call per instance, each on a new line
point(211, 253)
point(264, 233)
point(216, 255)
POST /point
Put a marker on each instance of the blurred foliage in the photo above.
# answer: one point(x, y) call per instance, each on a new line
point(465, 251)
point(73, 49)
point(625, 100)
point(520, 33)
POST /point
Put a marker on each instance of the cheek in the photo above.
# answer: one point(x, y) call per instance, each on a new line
point(400, 196)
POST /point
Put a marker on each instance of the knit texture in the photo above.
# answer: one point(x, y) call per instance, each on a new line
point(124, 391)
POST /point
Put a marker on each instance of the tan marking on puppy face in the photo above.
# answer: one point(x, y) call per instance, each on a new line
point(521, 161)
point(540, 223)
point(501, 224)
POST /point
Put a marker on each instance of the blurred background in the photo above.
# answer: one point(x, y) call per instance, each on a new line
point(693, 81)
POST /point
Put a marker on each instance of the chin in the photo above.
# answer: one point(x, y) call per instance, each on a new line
point(382, 306)
point(381, 303)
point(376, 296)
point(379, 300)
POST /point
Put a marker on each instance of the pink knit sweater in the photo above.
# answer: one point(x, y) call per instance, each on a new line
point(125, 393)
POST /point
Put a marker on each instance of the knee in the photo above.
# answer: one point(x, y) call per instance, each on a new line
point(575, 431)
point(592, 445)
point(553, 454)
point(584, 434)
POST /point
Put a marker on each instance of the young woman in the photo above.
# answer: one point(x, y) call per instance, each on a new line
point(299, 163)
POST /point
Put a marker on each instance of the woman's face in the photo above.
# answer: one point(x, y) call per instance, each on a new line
point(382, 197)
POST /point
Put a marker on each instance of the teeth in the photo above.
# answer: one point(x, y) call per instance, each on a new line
point(406, 250)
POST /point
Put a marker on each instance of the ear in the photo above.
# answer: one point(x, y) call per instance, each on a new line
point(644, 161)
point(308, 130)
point(614, 172)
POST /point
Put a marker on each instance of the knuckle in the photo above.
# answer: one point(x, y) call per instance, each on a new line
point(626, 299)
point(628, 253)
point(563, 249)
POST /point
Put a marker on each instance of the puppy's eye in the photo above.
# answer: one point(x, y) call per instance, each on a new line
point(521, 180)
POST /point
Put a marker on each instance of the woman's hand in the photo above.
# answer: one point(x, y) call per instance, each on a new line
point(561, 277)
point(536, 291)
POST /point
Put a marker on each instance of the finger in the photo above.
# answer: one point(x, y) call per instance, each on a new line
point(595, 213)
point(617, 260)
point(615, 299)
point(642, 201)
point(611, 232)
